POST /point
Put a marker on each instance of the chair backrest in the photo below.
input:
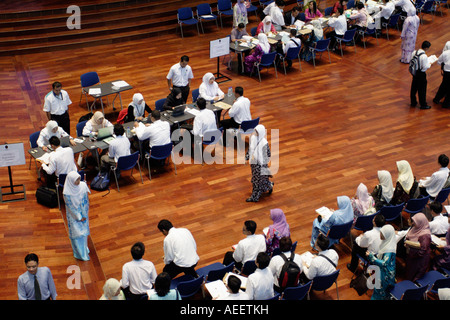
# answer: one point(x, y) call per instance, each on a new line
point(203, 9)
point(89, 79)
point(128, 162)
point(249, 267)
point(441, 283)
point(189, 288)
point(293, 52)
point(349, 35)
point(391, 212)
point(350, 4)
point(416, 205)
point(33, 139)
point(427, 6)
point(327, 11)
point(159, 104)
point(442, 195)
point(322, 45)
point(247, 126)
point(195, 94)
point(394, 19)
point(365, 223)
point(415, 294)
point(223, 5)
point(322, 283)
point(253, 31)
point(339, 231)
point(162, 151)
point(267, 58)
point(297, 293)
point(212, 136)
point(218, 274)
point(80, 127)
point(185, 13)
point(302, 16)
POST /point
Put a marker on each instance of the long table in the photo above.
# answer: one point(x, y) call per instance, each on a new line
point(106, 89)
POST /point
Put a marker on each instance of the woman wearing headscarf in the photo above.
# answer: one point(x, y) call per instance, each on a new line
point(137, 108)
point(258, 156)
point(75, 194)
point(409, 36)
point(175, 98)
point(263, 47)
point(96, 122)
point(51, 129)
point(209, 89)
point(342, 215)
point(316, 35)
point(112, 290)
point(240, 13)
point(382, 194)
point(363, 202)
point(444, 88)
point(417, 243)
point(277, 230)
point(406, 186)
point(443, 260)
point(385, 260)
point(266, 26)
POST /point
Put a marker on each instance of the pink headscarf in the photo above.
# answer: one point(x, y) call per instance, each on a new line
point(421, 227)
point(364, 199)
point(279, 223)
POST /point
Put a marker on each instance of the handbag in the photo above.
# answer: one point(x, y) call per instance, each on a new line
point(359, 283)
point(101, 181)
point(47, 197)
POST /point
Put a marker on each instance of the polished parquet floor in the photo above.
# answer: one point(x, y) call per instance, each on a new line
point(338, 124)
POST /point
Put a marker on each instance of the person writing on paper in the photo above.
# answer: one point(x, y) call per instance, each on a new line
point(204, 121)
point(255, 55)
point(137, 108)
point(238, 32)
point(291, 17)
point(431, 186)
point(343, 215)
point(52, 130)
point(158, 132)
point(234, 290)
point(312, 12)
point(239, 111)
point(322, 264)
point(384, 14)
point(96, 122)
point(240, 13)
point(444, 88)
point(277, 230)
point(266, 26)
point(209, 89)
point(385, 260)
point(76, 198)
point(118, 147)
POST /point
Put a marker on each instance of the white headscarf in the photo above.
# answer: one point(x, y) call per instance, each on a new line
point(257, 143)
point(318, 31)
point(446, 47)
point(387, 189)
point(50, 126)
point(405, 175)
point(76, 192)
point(210, 89)
point(389, 244)
point(267, 27)
point(110, 289)
point(139, 108)
point(263, 42)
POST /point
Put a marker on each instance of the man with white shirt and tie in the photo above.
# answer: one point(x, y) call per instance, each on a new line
point(433, 185)
point(158, 132)
point(180, 76)
point(56, 106)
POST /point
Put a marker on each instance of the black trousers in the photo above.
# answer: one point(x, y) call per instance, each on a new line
point(228, 258)
point(184, 92)
point(444, 89)
point(228, 124)
point(332, 36)
point(173, 270)
point(419, 86)
point(63, 121)
point(357, 250)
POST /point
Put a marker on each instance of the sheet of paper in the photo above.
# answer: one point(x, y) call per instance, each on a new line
point(438, 241)
point(193, 111)
point(95, 91)
point(45, 158)
point(447, 208)
point(222, 105)
point(432, 59)
point(324, 212)
point(120, 84)
point(307, 258)
point(217, 289)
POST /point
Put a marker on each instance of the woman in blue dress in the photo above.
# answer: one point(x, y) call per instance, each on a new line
point(75, 194)
point(385, 260)
point(343, 215)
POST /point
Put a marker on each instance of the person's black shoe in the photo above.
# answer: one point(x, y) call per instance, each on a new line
point(413, 105)
point(271, 189)
point(436, 101)
point(251, 200)
point(425, 107)
point(349, 267)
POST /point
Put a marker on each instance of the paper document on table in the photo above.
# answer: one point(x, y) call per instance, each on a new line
point(447, 208)
point(120, 84)
point(45, 158)
point(78, 140)
point(95, 91)
point(438, 241)
point(307, 258)
point(217, 289)
point(242, 278)
point(324, 212)
point(299, 24)
point(432, 59)
point(193, 111)
point(222, 105)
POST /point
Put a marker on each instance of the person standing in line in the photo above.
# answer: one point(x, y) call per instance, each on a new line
point(180, 76)
point(56, 106)
point(444, 88)
point(419, 81)
point(409, 36)
point(76, 198)
point(37, 282)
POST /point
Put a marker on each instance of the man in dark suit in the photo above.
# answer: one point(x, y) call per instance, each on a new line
point(292, 16)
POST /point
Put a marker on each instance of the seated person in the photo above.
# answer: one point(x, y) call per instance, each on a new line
point(260, 283)
point(96, 122)
point(382, 194)
point(362, 203)
point(277, 230)
point(162, 289)
point(158, 132)
point(339, 4)
point(239, 111)
point(439, 221)
point(406, 187)
point(205, 120)
point(247, 249)
point(433, 185)
point(293, 42)
point(266, 26)
point(322, 264)
point(118, 147)
point(339, 23)
point(51, 130)
point(360, 17)
point(61, 161)
point(234, 290)
point(137, 108)
point(292, 16)
point(209, 89)
point(175, 98)
point(312, 12)
point(263, 47)
point(238, 32)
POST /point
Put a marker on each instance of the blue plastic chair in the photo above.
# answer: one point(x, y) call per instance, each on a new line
point(435, 280)
point(195, 94)
point(248, 268)
point(327, 11)
point(79, 127)
point(320, 47)
point(302, 16)
point(408, 290)
point(369, 31)
point(339, 231)
point(125, 163)
point(291, 54)
point(33, 144)
point(277, 296)
point(267, 59)
point(253, 31)
point(443, 195)
point(190, 287)
point(393, 22)
point(365, 223)
point(416, 205)
point(186, 16)
point(224, 7)
point(160, 153)
point(349, 36)
point(322, 283)
point(204, 13)
point(159, 104)
point(87, 80)
point(252, 8)
point(212, 136)
point(297, 293)
point(215, 271)
point(392, 213)
point(350, 4)
point(427, 7)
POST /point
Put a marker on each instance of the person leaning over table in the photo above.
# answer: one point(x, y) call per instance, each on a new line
point(52, 129)
point(209, 89)
point(118, 147)
point(239, 111)
point(37, 282)
point(174, 98)
point(56, 106)
point(157, 132)
point(238, 32)
point(292, 16)
point(266, 26)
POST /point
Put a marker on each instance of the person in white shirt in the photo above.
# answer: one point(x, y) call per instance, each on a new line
point(180, 250)
point(384, 14)
point(269, 7)
point(209, 89)
point(407, 7)
point(444, 88)
point(205, 120)
point(439, 223)
point(180, 76)
point(234, 292)
point(138, 275)
point(419, 81)
point(118, 147)
point(248, 248)
point(260, 283)
point(433, 185)
point(52, 129)
point(56, 106)
point(158, 132)
point(239, 111)
point(369, 240)
point(276, 13)
point(339, 23)
point(277, 262)
point(322, 264)
point(97, 122)
point(292, 42)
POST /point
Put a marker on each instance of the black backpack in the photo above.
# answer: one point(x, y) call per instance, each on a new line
point(290, 272)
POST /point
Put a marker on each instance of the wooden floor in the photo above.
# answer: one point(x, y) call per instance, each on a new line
point(338, 125)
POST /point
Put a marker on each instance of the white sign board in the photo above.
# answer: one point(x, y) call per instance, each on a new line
point(219, 47)
point(12, 155)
